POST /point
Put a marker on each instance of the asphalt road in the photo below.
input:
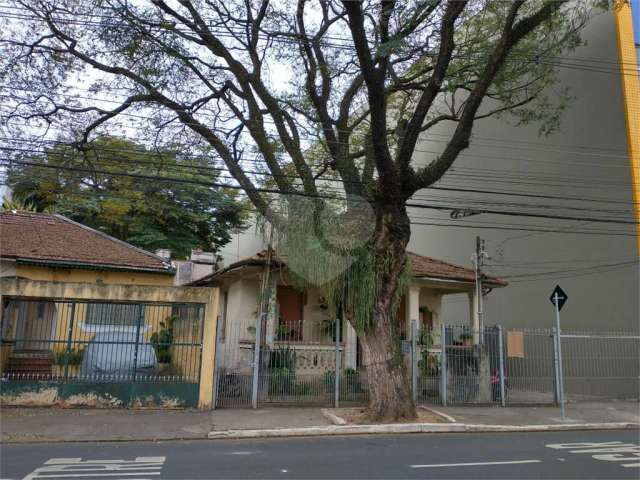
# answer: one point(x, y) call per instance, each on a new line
point(496, 455)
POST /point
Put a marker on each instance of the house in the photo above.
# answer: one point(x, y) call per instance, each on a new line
point(299, 319)
point(41, 247)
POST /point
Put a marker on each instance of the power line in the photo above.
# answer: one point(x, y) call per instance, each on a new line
point(298, 193)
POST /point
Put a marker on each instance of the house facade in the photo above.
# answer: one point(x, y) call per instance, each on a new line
point(54, 250)
point(300, 320)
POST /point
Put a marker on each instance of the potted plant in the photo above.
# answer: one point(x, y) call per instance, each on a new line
point(72, 358)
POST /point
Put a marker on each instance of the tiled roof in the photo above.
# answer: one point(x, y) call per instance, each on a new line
point(427, 267)
point(55, 240)
point(421, 267)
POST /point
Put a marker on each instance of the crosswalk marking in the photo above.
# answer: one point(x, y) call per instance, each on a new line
point(78, 468)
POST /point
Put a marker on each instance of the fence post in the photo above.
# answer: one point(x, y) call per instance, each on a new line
point(414, 358)
point(443, 364)
point(69, 339)
point(135, 352)
point(556, 377)
point(336, 389)
point(256, 363)
point(503, 400)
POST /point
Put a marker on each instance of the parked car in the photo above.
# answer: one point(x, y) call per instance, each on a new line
point(117, 353)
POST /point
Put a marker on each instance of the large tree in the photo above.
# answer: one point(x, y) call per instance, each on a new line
point(327, 99)
point(112, 185)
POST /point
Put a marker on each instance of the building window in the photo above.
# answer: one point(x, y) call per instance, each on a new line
point(119, 314)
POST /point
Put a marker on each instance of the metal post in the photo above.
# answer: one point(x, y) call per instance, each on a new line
point(503, 399)
point(443, 365)
point(559, 337)
point(218, 360)
point(256, 363)
point(414, 358)
point(69, 339)
point(336, 389)
point(556, 381)
point(265, 293)
point(135, 352)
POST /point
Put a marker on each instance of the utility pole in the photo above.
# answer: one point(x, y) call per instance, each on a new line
point(263, 312)
point(478, 258)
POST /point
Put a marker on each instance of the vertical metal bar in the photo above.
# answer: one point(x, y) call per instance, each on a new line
point(135, 352)
point(218, 360)
point(443, 364)
point(503, 399)
point(556, 375)
point(69, 339)
point(559, 337)
point(414, 357)
point(336, 393)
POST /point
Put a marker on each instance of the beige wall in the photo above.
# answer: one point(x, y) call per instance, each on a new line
point(241, 314)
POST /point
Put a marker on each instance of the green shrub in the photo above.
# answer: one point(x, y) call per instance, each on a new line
point(281, 381)
point(429, 364)
point(74, 356)
point(283, 357)
point(163, 339)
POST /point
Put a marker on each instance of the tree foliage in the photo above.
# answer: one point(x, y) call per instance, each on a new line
point(180, 211)
point(327, 99)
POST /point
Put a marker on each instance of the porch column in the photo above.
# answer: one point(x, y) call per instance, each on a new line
point(474, 320)
point(350, 346)
point(412, 308)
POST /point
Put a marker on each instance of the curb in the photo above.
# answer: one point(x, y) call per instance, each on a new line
point(438, 413)
point(394, 428)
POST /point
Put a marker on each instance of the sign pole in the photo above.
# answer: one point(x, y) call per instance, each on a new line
point(559, 340)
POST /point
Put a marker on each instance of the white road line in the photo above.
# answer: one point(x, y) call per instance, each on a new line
point(512, 462)
point(91, 475)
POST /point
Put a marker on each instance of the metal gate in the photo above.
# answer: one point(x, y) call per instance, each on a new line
point(96, 352)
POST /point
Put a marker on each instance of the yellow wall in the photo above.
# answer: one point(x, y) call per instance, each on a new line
point(49, 274)
point(27, 289)
point(631, 92)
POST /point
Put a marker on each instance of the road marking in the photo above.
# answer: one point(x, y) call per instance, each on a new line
point(77, 468)
point(605, 451)
point(475, 464)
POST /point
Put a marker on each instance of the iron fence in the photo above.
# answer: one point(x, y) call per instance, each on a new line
point(458, 365)
point(600, 365)
point(87, 341)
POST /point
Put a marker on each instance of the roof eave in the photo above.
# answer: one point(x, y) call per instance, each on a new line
point(91, 266)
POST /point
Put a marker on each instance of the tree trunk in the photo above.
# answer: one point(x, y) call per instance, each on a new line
point(390, 397)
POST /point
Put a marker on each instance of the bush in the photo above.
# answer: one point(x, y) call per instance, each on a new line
point(74, 356)
point(163, 339)
point(349, 381)
point(281, 381)
point(282, 358)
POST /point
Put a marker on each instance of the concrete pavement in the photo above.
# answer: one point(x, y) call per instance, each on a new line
point(567, 455)
point(82, 425)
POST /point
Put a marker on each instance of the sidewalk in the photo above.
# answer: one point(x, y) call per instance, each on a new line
point(581, 412)
point(81, 425)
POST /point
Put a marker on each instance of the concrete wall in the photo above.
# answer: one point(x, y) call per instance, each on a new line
point(21, 288)
point(590, 151)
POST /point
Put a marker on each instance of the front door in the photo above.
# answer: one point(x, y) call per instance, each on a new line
point(290, 308)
